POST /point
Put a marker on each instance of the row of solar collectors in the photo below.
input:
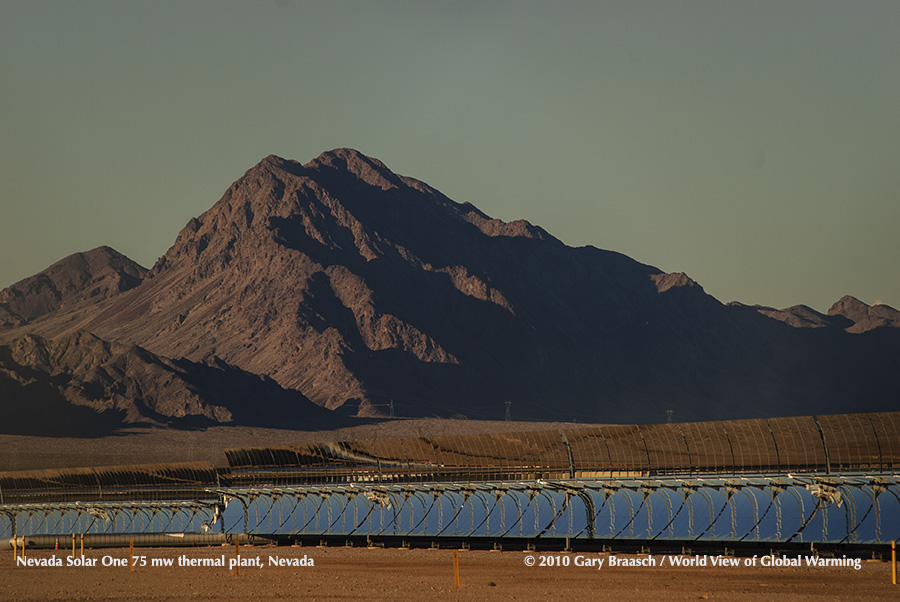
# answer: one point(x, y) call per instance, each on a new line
point(837, 443)
point(840, 443)
point(111, 484)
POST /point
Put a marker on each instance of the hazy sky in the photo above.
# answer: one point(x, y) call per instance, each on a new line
point(754, 145)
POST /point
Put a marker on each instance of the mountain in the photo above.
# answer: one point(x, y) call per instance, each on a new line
point(848, 313)
point(863, 317)
point(78, 279)
point(79, 384)
point(356, 287)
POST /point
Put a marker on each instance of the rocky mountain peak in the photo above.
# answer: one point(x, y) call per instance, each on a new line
point(864, 317)
point(665, 282)
point(343, 201)
point(351, 161)
point(85, 277)
point(341, 282)
point(848, 305)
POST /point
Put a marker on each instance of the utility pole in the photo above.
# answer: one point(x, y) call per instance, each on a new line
point(508, 412)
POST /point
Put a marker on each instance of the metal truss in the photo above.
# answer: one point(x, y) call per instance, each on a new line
point(106, 518)
point(839, 509)
point(786, 509)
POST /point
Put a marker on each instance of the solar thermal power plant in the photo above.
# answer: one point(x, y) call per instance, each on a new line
point(776, 484)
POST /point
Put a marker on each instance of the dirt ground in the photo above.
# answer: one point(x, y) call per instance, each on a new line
point(156, 445)
point(424, 574)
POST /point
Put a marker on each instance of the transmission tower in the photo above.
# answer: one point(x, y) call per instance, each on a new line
point(508, 411)
point(389, 405)
point(669, 416)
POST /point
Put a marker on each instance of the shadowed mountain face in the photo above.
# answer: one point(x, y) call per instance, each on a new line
point(350, 284)
point(80, 385)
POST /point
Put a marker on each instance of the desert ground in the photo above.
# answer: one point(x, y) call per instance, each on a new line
point(340, 573)
point(153, 445)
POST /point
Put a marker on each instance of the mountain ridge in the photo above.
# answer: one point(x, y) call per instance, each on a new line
point(79, 384)
point(355, 286)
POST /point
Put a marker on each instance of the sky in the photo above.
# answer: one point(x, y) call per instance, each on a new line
point(754, 145)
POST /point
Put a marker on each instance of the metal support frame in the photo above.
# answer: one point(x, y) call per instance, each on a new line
point(839, 509)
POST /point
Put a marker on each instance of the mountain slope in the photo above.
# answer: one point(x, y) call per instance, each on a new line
point(353, 285)
point(332, 275)
point(80, 384)
point(864, 317)
point(78, 279)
